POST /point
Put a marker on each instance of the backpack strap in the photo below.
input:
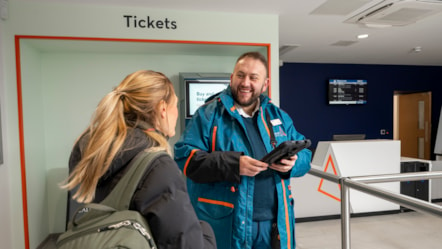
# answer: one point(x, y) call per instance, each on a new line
point(120, 197)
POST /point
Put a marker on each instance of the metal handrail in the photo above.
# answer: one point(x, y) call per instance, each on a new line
point(409, 176)
point(361, 183)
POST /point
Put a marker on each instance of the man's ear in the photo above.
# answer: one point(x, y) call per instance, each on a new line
point(266, 84)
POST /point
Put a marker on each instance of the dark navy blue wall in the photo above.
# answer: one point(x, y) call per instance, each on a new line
point(303, 95)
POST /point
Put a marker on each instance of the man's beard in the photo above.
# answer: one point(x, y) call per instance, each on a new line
point(251, 101)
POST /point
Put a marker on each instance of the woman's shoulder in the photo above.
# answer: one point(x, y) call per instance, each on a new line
point(163, 165)
point(162, 175)
point(163, 159)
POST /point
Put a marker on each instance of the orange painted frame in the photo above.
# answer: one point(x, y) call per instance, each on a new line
point(18, 38)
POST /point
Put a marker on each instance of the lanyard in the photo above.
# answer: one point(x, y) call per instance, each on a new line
point(272, 133)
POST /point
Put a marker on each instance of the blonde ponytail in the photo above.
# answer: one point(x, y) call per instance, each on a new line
point(132, 102)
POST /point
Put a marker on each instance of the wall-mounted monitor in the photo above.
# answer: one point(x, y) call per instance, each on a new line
point(195, 88)
point(198, 91)
point(347, 91)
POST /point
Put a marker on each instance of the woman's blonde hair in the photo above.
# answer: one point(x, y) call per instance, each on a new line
point(133, 102)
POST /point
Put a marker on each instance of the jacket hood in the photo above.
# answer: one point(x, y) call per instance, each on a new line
point(136, 141)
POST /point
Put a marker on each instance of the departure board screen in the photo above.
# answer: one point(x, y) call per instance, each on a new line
point(347, 91)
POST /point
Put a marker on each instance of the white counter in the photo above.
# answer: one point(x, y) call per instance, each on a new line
point(316, 197)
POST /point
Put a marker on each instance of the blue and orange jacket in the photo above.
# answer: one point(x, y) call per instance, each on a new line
point(208, 154)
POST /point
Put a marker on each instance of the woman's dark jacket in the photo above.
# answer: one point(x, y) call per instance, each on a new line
point(161, 196)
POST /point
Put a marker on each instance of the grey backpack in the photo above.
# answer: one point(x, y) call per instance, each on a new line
point(110, 224)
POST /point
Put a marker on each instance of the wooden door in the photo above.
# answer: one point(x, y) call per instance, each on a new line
point(412, 124)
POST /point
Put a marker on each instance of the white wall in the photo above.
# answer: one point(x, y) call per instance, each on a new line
point(5, 214)
point(62, 81)
point(436, 184)
point(438, 143)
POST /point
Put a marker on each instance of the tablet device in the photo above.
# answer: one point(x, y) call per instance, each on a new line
point(286, 150)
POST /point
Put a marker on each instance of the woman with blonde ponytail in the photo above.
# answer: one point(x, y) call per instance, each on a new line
point(139, 114)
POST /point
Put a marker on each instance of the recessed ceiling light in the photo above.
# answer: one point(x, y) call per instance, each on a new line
point(362, 36)
point(377, 25)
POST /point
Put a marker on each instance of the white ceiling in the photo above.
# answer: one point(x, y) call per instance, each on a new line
point(314, 32)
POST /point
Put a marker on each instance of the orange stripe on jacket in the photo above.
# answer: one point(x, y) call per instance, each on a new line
point(222, 203)
point(214, 137)
point(264, 122)
point(188, 160)
point(286, 209)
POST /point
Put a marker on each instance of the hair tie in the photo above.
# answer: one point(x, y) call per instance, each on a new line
point(159, 132)
point(119, 93)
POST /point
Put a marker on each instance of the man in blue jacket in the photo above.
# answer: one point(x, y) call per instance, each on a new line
point(247, 202)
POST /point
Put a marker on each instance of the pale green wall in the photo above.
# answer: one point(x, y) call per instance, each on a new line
point(34, 138)
point(71, 99)
point(62, 83)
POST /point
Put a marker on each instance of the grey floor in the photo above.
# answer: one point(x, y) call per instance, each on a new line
point(407, 230)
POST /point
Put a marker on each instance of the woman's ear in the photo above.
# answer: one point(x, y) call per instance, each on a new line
point(162, 107)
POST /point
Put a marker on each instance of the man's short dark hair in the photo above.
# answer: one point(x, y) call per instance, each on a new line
point(257, 56)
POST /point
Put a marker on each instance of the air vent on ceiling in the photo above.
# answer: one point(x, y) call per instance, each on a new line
point(343, 43)
point(287, 48)
point(396, 12)
point(339, 7)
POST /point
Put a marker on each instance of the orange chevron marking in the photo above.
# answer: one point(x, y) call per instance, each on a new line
point(329, 162)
